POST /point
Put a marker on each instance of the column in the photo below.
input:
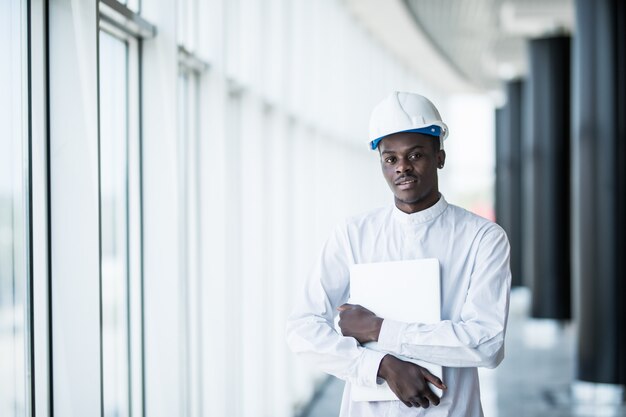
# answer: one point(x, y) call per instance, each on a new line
point(599, 194)
point(547, 178)
point(508, 174)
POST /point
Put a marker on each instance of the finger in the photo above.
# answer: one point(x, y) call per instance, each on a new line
point(399, 396)
point(433, 379)
point(345, 307)
point(414, 402)
point(427, 392)
point(423, 401)
point(432, 397)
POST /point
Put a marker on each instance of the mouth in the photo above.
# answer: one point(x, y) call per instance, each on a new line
point(406, 181)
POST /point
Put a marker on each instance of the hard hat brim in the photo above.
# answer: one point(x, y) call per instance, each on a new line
point(432, 130)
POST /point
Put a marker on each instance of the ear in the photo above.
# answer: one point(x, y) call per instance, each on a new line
point(441, 158)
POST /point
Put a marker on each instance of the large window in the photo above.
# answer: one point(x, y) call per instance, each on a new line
point(114, 224)
point(120, 225)
point(191, 291)
point(191, 69)
point(14, 219)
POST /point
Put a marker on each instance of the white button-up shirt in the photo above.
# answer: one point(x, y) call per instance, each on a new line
point(475, 284)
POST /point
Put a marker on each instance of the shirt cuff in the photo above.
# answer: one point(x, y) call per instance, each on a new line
point(367, 374)
point(390, 336)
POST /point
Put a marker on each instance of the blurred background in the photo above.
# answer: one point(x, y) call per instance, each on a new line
point(170, 169)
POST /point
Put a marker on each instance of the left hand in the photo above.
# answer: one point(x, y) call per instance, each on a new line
point(358, 322)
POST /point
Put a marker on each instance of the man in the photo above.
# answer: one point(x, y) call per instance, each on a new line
point(473, 254)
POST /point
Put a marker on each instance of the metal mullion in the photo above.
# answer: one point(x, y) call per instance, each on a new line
point(113, 30)
point(140, 236)
point(198, 238)
point(192, 247)
point(182, 233)
point(134, 277)
point(29, 358)
point(128, 243)
point(186, 256)
point(190, 62)
point(99, 163)
point(120, 16)
point(44, 215)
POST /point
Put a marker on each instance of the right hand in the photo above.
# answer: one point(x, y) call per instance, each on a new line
point(409, 382)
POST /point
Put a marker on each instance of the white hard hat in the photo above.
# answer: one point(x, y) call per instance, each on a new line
point(405, 112)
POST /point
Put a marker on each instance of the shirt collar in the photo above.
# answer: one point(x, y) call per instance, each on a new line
point(421, 216)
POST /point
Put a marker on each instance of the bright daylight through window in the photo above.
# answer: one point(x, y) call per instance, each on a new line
point(13, 212)
point(114, 227)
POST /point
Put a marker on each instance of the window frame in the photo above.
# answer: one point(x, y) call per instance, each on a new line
point(117, 20)
point(41, 319)
point(191, 70)
point(24, 300)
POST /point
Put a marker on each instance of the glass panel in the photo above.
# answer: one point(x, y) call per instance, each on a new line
point(191, 290)
point(135, 276)
point(114, 223)
point(13, 214)
point(183, 81)
point(187, 15)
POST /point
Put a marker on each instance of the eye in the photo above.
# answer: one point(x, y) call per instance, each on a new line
point(390, 160)
point(415, 156)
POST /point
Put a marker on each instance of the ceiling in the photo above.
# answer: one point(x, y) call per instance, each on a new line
point(481, 42)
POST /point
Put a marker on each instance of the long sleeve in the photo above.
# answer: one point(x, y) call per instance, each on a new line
point(310, 328)
point(477, 338)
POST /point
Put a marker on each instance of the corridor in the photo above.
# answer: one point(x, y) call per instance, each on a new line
point(170, 171)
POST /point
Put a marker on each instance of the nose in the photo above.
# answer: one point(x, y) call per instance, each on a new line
point(403, 167)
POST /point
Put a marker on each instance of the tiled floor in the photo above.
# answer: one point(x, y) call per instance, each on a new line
point(533, 381)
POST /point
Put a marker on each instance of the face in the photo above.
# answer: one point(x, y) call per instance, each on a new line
point(409, 163)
